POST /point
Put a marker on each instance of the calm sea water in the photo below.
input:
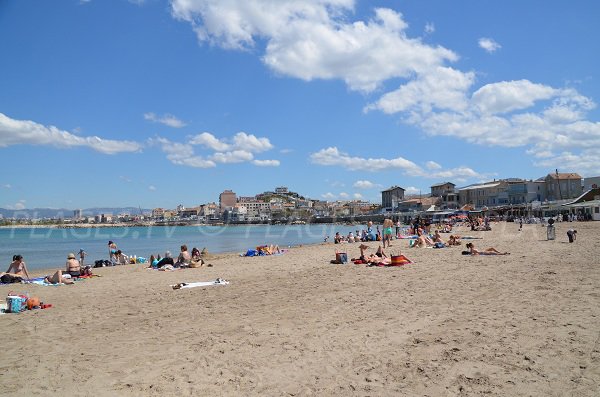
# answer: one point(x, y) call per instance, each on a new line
point(44, 248)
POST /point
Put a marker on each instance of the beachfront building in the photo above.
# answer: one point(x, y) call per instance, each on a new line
point(256, 210)
point(521, 191)
point(189, 213)
point(447, 195)
point(586, 206)
point(158, 213)
point(281, 190)
point(227, 200)
point(561, 186)
point(479, 195)
point(391, 197)
point(416, 204)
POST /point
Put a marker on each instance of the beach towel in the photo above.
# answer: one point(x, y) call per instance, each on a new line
point(413, 236)
point(399, 260)
point(218, 281)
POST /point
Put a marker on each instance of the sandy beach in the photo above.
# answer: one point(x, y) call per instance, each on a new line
point(525, 324)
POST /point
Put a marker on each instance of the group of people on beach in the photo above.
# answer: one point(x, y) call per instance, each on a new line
point(17, 271)
point(184, 260)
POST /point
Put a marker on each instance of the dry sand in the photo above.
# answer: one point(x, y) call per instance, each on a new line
point(527, 324)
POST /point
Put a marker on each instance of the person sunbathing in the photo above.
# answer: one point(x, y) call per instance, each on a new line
point(73, 266)
point(422, 242)
point(454, 240)
point(58, 278)
point(487, 251)
point(18, 267)
point(437, 238)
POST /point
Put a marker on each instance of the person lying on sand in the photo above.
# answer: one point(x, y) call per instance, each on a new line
point(454, 240)
point(57, 278)
point(487, 251)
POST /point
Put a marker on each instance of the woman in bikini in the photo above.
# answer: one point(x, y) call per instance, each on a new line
point(18, 267)
point(487, 251)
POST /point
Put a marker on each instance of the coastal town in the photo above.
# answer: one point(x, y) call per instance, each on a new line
point(564, 193)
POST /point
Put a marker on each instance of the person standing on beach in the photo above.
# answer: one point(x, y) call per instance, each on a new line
point(112, 251)
point(387, 231)
point(82, 255)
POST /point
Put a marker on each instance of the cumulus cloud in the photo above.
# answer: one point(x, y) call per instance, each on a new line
point(357, 196)
point(266, 163)
point(166, 119)
point(310, 39)
point(328, 196)
point(25, 132)
point(332, 156)
point(364, 184)
point(241, 148)
point(432, 165)
point(412, 190)
point(322, 39)
point(152, 188)
point(19, 205)
point(489, 45)
point(429, 27)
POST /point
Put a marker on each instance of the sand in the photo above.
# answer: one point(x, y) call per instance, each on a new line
point(526, 324)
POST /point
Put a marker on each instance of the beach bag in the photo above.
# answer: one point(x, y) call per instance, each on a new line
point(341, 257)
point(16, 303)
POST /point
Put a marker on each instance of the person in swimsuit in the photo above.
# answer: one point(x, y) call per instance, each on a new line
point(18, 267)
point(73, 266)
point(112, 251)
point(387, 232)
point(57, 278)
point(487, 251)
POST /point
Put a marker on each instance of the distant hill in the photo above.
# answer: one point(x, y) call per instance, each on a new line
point(37, 213)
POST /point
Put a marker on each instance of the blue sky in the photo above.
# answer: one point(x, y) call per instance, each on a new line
point(158, 103)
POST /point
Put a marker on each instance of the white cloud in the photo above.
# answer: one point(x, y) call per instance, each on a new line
point(182, 154)
point(364, 184)
point(328, 196)
point(240, 141)
point(266, 163)
point(235, 156)
point(432, 165)
point(440, 88)
point(7, 186)
point(429, 27)
point(412, 190)
point(322, 39)
point(344, 195)
point(507, 96)
point(489, 45)
point(19, 205)
point(152, 187)
point(166, 119)
point(314, 39)
point(333, 157)
point(25, 132)
point(357, 196)
point(238, 149)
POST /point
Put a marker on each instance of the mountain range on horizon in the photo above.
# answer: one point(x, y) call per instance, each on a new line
point(36, 213)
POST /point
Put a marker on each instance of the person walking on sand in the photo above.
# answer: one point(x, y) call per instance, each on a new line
point(387, 231)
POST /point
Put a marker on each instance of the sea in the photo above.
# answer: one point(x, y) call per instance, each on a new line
point(47, 248)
